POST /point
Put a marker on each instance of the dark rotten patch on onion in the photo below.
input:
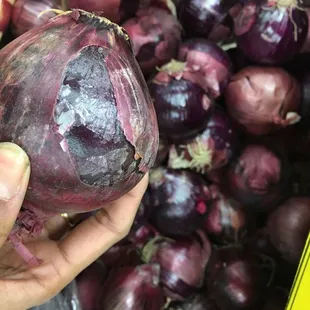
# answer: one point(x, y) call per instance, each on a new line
point(80, 108)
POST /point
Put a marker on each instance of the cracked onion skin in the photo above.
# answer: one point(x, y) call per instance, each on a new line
point(89, 140)
point(263, 99)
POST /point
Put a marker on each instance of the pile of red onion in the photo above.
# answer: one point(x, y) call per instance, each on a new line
point(212, 97)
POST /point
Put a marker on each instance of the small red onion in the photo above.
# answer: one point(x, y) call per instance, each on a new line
point(6, 8)
point(209, 60)
point(258, 177)
point(179, 201)
point(182, 263)
point(263, 99)
point(142, 235)
point(271, 32)
point(289, 226)
point(180, 100)
point(209, 150)
point(133, 288)
point(155, 36)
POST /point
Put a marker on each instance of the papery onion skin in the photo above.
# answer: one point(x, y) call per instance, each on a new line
point(133, 288)
point(93, 157)
point(209, 60)
point(6, 9)
point(115, 10)
point(182, 261)
point(289, 226)
point(182, 105)
point(179, 201)
point(26, 14)
point(267, 34)
point(259, 177)
point(236, 279)
point(155, 36)
point(263, 100)
point(209, 150)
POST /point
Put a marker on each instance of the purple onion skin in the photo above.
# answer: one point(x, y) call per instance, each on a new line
point(182, 106)
point(288, 228)
point(90, 283)
point(227, 221)
point(78, 163)
point(25, 14)
point(133, 288)
point(182, 261)
point(179, 199)
point(258, 178)
point(237, 279)
point(198, 302)
point(266, 34)
point(210, 150)
point(115, 10)
point(155, 35)
point(198, 17)
point(6, 8)
point(209, 60)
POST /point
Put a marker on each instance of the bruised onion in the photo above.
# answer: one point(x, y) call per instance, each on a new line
point(115, 10)
point(263, 99)
point(209, 150)
point(289, 226)
point(182, 263)
point(90, 283)
point(26, 14)
point(208, 60)
point(258, 177)
point(180, 100)
point(227, 222)
point(155, 35)
point(179, 201)
point(6, 8)
point(133, 288)
point(271, 32)
point(238, 279)
point(82, 102)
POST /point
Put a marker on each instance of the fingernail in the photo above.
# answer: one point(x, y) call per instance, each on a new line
point(14, 163)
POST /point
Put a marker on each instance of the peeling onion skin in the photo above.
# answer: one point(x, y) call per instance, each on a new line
point(25, 14)
point(6, 9)
point(288, 228)
point(85, 150)
point(115, 10)
point(266, 34)
point(182, 262)
point(263, 99)
point(179, 201)
point(133, 288)
point(258, 177)
point(209, 60)
point(155, 36)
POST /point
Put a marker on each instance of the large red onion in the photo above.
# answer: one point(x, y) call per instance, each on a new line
point(258, 177)
point(155, 35)
point(208, 60)
point(179, 201)
point(237, 279)
point(182, 263)
point(289, 226)
point(26, 14)
point(263, 99)
point(209, 150)
point(6, 8)
point(115, 10)
point(271, 32)
point(181, 102)
point(90, 283)
point(80, 108)
point(133, 288)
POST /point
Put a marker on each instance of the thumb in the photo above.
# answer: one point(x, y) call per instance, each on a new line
point(14, 176)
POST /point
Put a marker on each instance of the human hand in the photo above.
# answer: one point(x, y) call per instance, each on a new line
point(22, 287)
